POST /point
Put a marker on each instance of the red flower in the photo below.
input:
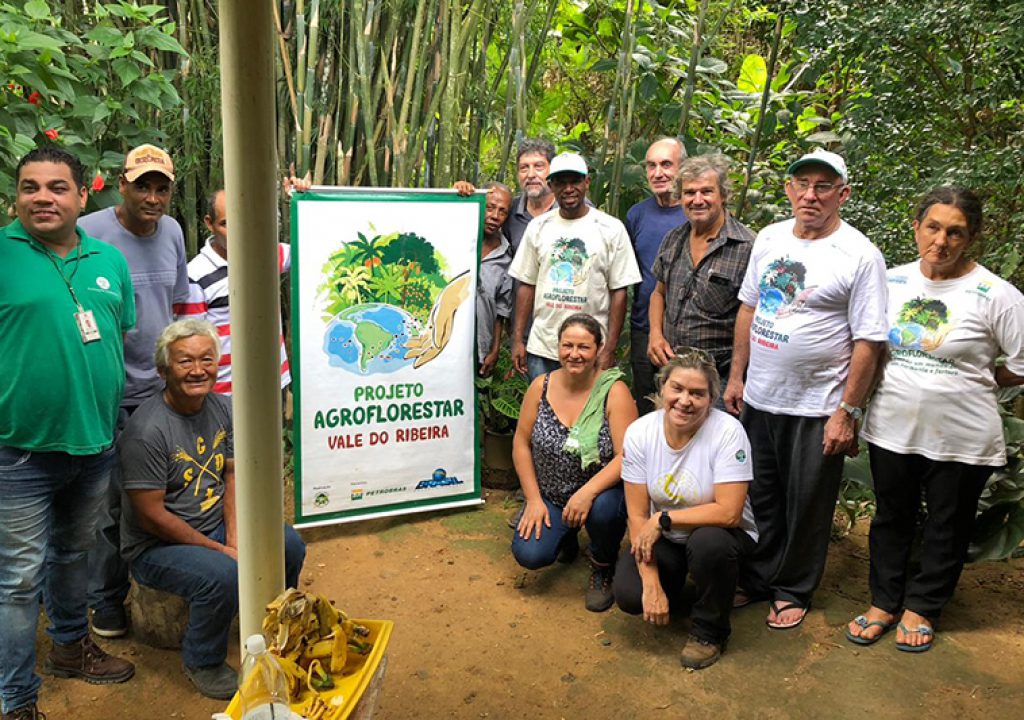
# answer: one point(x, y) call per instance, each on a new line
point(52, 134)
point(97, 182)
point(34, 97)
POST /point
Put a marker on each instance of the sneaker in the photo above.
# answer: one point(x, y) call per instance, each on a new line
point(699, 654)
point(25, 712)
point(86, 660)
point(599, 593)
point(570, 548)
point(110, 622)
point(215, 681)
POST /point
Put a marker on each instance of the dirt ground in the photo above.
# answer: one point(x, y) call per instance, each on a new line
point(478, 637)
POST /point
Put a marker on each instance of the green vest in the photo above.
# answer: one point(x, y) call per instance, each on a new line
point(59, 394)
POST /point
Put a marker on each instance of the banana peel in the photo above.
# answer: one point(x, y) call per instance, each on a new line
point(318, 679)
point(313, 640)
point(339, 652)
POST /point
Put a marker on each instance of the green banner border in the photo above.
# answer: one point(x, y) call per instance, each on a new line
point(370, 195)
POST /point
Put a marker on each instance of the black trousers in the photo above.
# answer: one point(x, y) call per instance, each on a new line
point(793, 496)
point(951, 491)
point(644, 372)
point(712, 556)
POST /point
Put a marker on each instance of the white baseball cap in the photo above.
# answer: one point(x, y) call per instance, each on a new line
point(820, 157)
point(568, 162)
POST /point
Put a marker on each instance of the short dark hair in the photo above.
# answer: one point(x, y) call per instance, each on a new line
point(961, 198)
point(211, 204)
point(536, 145)
point(54, 154)
point(585, 321)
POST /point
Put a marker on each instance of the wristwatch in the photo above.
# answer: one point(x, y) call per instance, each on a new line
point(665, 521)
point(855, 412)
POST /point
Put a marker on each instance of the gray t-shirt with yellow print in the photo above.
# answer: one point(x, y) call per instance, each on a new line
point(184, 455)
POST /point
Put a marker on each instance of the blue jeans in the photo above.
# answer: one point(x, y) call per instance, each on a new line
point(208, 580)
point(606, 525)
point(48, 507)
point(537, 366)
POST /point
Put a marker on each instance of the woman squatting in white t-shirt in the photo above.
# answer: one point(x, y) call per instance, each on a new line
point(686, 468)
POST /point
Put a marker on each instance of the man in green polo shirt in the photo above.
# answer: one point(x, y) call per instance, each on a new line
point(65, 301)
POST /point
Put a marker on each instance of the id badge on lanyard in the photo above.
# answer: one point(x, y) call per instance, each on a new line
point(87, 326)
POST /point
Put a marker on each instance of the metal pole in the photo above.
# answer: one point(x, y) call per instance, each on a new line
point(250, 174)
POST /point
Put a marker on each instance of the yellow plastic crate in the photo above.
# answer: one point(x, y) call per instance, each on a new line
point(359, 671)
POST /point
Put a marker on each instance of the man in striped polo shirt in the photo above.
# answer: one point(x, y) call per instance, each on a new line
point(208, 288)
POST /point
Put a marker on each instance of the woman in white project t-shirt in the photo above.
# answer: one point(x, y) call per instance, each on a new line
point(685, 471)
point(933, 423)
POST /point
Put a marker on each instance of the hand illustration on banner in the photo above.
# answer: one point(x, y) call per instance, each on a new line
point(435, 336)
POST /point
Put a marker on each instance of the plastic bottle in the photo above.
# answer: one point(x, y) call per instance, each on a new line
point(263, 689)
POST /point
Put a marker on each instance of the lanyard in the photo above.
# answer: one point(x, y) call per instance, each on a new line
point(67, 280)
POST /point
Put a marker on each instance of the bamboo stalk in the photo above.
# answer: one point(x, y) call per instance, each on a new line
point(755, 144)
point(312, 35)
point(691, 72)
point(623, 86)
point(300, 80)
point(286, 63)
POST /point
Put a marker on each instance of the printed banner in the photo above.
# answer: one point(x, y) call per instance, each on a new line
point(383, 288)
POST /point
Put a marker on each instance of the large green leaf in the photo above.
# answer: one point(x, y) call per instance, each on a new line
point(1002, 539)
point(753, 74)
point(37, 10)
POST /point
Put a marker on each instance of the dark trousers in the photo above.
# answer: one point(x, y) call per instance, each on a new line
point(793, 496)
point(712, 556)
point(644, 373)
point(108, 571)
point(951, 492)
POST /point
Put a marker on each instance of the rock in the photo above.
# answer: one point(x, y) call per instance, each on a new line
point(158, 618)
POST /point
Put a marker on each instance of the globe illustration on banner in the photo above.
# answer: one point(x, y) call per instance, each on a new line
point(369, 339)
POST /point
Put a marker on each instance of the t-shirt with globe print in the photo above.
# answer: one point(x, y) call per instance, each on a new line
point(573, 265)
point(183, 455)
point(812, 299)
point(938, 395)
point(678, 479)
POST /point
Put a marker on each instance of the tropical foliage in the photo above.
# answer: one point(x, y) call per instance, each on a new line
point(423, 92)
point(401, 269)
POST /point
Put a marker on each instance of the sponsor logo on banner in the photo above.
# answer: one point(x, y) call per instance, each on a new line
point(438, 479)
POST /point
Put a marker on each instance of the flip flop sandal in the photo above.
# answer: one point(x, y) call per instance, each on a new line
point(920, 629)
point(864, 624)
point(780, 607)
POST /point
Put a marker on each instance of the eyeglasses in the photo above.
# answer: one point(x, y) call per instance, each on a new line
point(821, 189)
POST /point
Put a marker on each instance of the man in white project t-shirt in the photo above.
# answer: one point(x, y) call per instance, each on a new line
point(571, 259)
point(809, 334)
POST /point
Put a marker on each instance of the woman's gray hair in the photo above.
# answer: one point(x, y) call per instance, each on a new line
point(179, 330)
point(689, 358)
point(693, 167)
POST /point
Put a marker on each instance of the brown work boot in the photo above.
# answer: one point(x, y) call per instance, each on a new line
point(699, 654)
point(84, 659)
point(25, 712)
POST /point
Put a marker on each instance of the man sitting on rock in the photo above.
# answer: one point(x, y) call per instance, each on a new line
point(179, 531)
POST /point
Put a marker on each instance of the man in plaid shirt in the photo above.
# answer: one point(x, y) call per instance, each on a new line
point(699, 268)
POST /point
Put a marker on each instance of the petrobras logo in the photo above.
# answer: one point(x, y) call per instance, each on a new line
point(385, 491)
point(439, 478)
point(357, 493)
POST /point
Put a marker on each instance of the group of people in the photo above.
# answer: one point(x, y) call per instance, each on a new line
point(116, 440)
point(753, 360)
point(116, 450)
